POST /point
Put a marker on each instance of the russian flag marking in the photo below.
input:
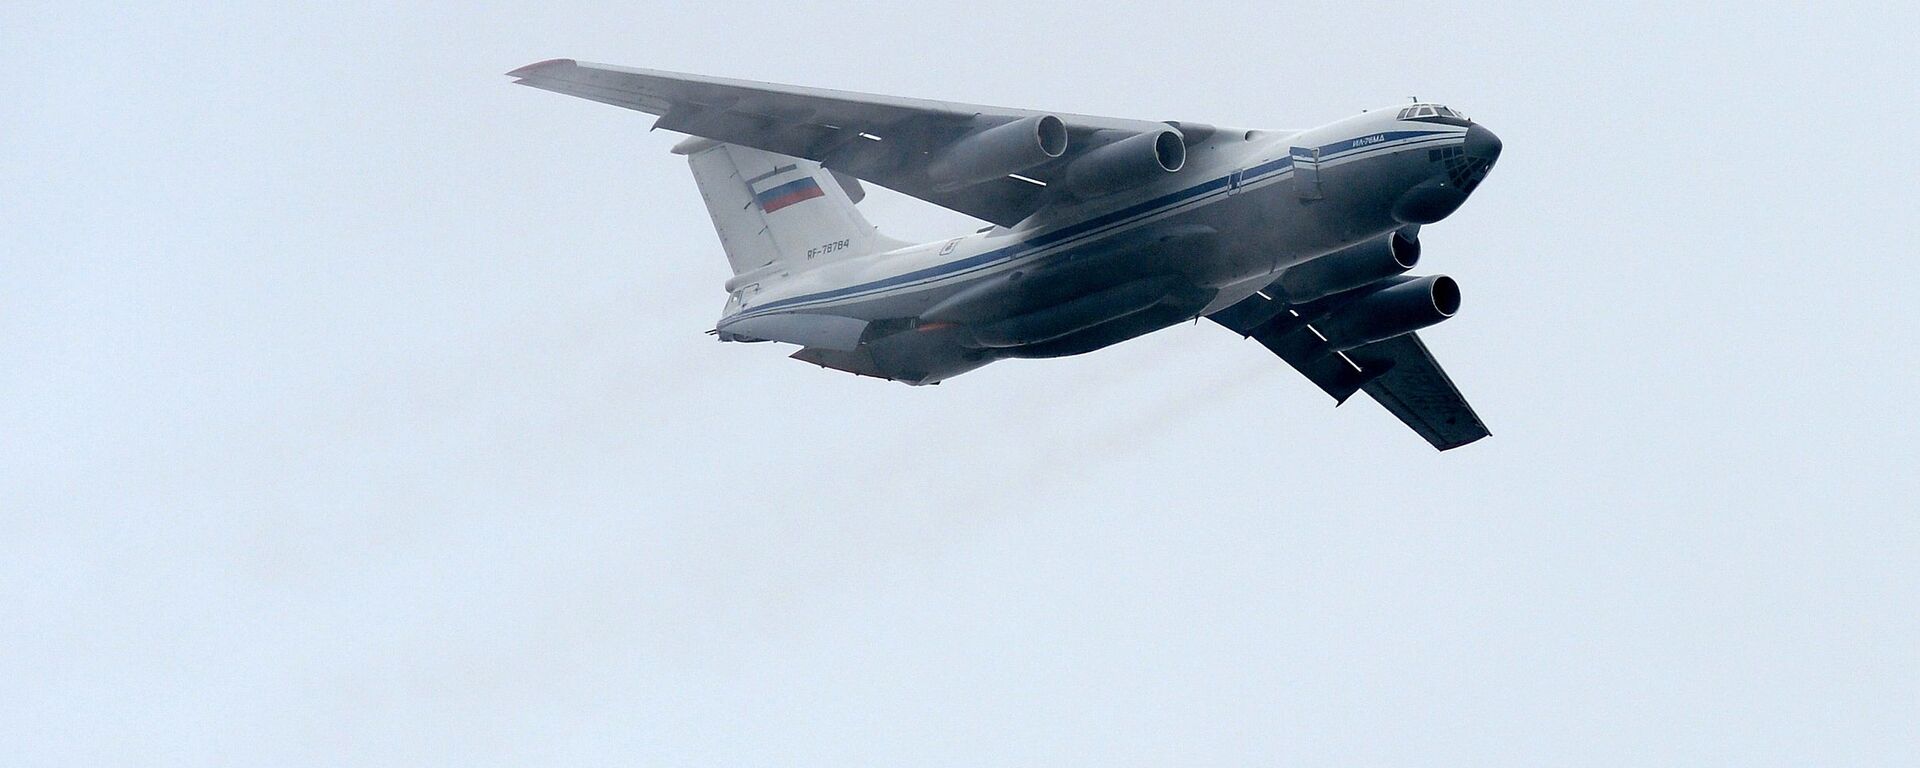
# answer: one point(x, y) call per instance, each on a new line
point(798, 190)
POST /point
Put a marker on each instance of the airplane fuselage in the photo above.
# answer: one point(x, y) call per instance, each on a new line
point(1080, 276)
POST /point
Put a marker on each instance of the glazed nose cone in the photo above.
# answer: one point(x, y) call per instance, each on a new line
point(1481, 143)
point(1438, 197)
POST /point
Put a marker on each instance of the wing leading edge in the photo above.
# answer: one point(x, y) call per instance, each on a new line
point(1399, 372)
point(887, 140)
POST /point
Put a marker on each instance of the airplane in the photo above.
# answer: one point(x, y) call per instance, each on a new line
point(1099, 230)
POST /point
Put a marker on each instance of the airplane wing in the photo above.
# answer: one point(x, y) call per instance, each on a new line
point(887, 140)
point(1399, 372)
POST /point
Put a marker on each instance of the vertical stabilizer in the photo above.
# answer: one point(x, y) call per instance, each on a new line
point(774, 209)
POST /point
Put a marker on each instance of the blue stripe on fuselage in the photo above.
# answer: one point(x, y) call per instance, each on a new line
point(1138, 210)
point(1370, 140)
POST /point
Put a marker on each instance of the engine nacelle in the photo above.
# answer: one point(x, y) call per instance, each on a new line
point(1348, 268)
point(1126, 163)
point(995, 152)
point(1397, 309)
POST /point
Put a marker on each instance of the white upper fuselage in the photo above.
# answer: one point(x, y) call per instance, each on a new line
point(1254, 189)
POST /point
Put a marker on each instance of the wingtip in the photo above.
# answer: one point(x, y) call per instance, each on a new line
point(1459, 443)
point(536, 67)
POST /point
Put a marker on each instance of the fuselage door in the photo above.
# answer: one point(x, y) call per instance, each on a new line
point(1306, 172)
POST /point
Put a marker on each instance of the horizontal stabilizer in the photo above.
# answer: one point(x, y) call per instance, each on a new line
point(824, 331)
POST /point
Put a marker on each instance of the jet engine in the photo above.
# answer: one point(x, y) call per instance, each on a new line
point(1348, 268)
point(1126, 163)
point(995, 152)
point(1403, 307)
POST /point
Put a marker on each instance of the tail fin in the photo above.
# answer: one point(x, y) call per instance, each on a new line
point(774, 209)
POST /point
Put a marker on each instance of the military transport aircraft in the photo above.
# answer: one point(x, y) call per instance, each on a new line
point(1102, 229)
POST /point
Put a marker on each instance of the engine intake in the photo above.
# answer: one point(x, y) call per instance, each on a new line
point(1397, 309)
point(995, 152)
point(1349, 268)
point(1126, 163)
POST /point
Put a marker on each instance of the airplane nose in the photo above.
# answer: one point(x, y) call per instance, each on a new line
point(1481, 143)
point(1438, 196)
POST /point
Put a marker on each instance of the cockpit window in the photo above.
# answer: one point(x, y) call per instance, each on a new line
point(1430, 110)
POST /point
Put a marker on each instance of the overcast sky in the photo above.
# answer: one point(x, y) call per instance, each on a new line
point(355, 409)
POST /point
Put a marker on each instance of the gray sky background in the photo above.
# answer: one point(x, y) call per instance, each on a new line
point(355, 410)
